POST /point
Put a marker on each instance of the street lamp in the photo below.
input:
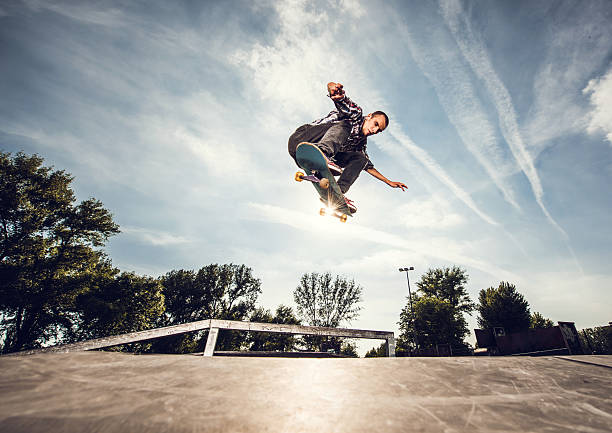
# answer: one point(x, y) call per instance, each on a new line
point(411, 268)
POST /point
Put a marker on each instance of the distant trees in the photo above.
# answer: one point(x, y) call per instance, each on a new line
point(324, 300)
point(377, 352)
point(260, 341)
point(215, 291)
point(537, 320)
point(597, 340)
point(503, 306)
point(437, 313)
point(49, 252)
point(124, 303)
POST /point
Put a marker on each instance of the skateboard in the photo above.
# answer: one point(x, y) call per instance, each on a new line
point(310, 158)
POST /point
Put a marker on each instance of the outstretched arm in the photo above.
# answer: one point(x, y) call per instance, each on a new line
point(391, 183)
point(344, 105)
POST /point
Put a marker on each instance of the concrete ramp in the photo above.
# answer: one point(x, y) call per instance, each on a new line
point(114, 392)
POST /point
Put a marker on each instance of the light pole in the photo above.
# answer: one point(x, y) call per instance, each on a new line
point(411, 268)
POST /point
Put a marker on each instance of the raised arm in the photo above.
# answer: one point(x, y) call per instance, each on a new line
point(343, 104)
point(377, 174)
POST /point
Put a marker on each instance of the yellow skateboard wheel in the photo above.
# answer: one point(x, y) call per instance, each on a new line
point(299, 176)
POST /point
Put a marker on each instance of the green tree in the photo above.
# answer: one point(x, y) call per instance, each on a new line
point(326, 301)
point(437, 313)
point(263, 341)
point(377, 352)
point(447, 284)
point(214, 292)
point(503, 306)
point(597, 340)
point(323, 300)
point(433, 321)
point(126, 303)
point(537, 320)
point(49, 251)
point(349, 349)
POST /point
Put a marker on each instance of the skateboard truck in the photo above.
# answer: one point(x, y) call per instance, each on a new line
point(323, 183)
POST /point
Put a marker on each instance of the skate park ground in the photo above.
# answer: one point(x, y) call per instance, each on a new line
point(116, 392)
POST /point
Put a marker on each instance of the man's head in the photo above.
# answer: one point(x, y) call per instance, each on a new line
point(374, 123)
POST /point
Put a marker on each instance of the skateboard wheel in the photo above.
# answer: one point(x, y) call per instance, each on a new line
point(322, 212)
point(343, 218)
point(299, 176)
point(324, 183)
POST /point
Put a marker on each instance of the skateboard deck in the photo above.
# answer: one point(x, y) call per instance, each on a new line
point(310, 158)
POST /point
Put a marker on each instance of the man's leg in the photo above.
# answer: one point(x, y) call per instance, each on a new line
point(334, 138)
point(308, 133)
point(353, 163)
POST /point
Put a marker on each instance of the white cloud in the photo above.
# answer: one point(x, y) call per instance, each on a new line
point(434, 213)
point(157, 238)
point(328, 227)
point(600, 91)
point(578, 44)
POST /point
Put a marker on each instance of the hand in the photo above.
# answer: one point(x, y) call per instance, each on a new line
point(397, 185)
point(335, 90)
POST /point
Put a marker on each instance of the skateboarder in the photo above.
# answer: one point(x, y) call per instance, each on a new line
point(342, 136)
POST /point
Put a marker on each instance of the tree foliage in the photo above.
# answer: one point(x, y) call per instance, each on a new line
point(323, 300)
point(433, 321)
point(214, 292)
point(503, 306)
point(262, 341)
point(126, 303)
point(437, 313)
point(377, 352)
point(537, 320)
point(447, 284)
point(48, 251)
point(597, 340)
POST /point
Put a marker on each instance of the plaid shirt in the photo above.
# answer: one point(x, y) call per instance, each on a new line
point(348, 110)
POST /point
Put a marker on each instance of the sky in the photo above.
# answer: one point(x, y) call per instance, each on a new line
point(176, 116)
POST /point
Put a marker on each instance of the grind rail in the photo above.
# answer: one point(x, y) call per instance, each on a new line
point(214, 325)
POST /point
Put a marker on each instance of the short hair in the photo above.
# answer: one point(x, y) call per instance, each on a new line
point(382, 113)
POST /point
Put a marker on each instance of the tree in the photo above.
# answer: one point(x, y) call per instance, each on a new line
point(349, 349)
point(434, 321)
point(323, 300)
point(377, 352)
point(49, 251)
point(597, 340)
point(537, 320)
point(214, 292)
point(326, 301)
point(126, 303)
point(263, 341)
point(505, 307)
point(447, 284)
point(437, 313)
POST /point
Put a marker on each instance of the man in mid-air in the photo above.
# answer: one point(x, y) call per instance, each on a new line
point(342, 136)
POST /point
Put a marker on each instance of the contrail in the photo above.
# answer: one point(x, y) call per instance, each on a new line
point(446, 71)
point(426, 160)
point(474, 51)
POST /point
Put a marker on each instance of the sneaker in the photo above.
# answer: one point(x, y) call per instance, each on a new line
point(335, 169)
point(350, 204)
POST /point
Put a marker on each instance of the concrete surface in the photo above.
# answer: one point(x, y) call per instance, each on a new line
point(113, 392)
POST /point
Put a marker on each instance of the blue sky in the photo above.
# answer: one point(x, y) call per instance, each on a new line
point(176, 115)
